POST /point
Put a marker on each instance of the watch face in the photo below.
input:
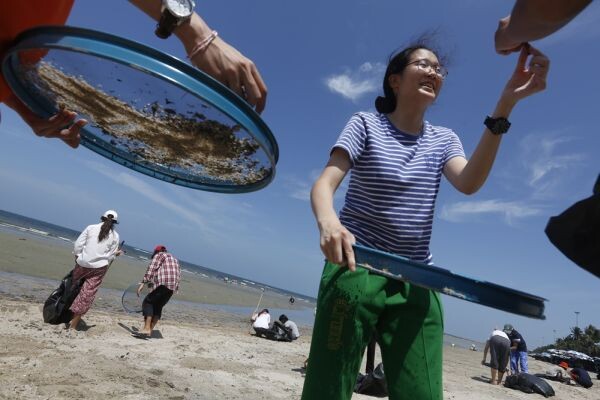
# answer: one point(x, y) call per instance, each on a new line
point(180, 8)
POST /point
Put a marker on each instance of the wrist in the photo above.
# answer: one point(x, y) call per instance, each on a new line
point(503, 108)
point(192, 32)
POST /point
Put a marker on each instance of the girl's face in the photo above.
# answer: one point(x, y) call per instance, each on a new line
point(421, 79)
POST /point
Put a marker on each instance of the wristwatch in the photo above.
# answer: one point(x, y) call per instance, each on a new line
point(173, 13)
point(497, 126)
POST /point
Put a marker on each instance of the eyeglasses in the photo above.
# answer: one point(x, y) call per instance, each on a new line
point(426, 65)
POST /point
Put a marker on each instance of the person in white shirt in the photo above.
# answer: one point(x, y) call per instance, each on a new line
point(95, 249)
point(499, 346)
point(261, 322)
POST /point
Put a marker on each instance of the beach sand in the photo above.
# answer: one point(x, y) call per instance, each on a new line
point(197, 353)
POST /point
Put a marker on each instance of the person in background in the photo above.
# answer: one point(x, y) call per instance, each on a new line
point(95, 249)
point(499, 346)
point(216, 58)
point(261, 322)
point(396, 159)
point(534, 19)
point(518, 350)
point(582, 377)
point(163, 275)
point(289, 327)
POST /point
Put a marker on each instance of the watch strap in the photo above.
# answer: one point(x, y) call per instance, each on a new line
point(498, 126)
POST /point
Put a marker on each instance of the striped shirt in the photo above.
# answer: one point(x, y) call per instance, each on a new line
point(163, 270)
point(394, 181)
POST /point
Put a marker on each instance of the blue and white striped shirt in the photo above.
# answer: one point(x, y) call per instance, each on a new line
point(394, 181)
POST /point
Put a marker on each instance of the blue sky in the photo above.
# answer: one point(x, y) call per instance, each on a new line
point(323, 61)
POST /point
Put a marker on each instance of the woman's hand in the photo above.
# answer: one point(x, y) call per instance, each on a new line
point(139, 289)
point(529, 77)
point(226, 64)
point(336, 243)
point(62, 125)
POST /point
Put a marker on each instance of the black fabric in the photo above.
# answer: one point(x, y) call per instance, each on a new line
point(372, 384)
point(581, 376)
point(515, 335)
point(56, 307)
point(529, 384)
point(576, 232)
point(155, 301)
point(278, 333)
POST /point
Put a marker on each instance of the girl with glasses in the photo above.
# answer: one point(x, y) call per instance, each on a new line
point(396, 160)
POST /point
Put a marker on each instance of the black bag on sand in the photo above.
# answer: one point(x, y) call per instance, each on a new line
point(56, 308)
point(373, 384)
point(529, 384)
point(576, 232)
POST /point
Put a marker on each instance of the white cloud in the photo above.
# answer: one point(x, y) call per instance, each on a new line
point(510, 211)
point(546, 167)
point(355, 84)
point(148, 191)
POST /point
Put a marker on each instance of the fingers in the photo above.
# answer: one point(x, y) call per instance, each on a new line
point(248, 84)
point(522, 58)
point(337, 248)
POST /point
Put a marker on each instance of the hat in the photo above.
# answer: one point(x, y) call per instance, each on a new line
point(508, 328)
point(111, 214)
point(563, 364)
point(160, 247)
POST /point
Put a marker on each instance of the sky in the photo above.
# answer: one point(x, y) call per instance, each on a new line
point(322, 62)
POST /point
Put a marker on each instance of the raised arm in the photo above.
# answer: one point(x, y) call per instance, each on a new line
point(336, 240)
point(219, 59)
point(534, 19)
point(527, 79)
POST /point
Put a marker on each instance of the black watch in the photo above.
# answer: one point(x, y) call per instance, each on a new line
point(173, 13)
point(497, 126)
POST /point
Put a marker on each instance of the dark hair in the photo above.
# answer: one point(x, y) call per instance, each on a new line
point(107, 226)
point(398, 61)
point(264, 310)
point(283, 318)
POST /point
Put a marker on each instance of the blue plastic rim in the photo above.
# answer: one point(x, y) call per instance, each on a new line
point(181, 79)
point(444, 281)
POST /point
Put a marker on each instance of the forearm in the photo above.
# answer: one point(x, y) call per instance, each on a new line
point(480, 164)
point(321, 197)
point(536, 19)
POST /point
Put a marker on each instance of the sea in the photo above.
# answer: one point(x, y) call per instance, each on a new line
point(302, 313)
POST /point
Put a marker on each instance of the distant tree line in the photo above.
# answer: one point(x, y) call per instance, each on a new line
point(585, 341)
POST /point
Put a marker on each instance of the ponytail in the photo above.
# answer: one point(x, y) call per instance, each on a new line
point(107, 226)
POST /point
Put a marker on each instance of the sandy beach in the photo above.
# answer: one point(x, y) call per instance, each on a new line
point(197, 352)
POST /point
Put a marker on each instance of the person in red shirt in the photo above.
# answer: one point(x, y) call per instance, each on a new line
point(163, 275)
point(217, 59)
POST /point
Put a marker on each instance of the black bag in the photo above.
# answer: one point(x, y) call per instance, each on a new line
point(529, 384)
point(372, 384)
point(576, 232)
point(56, 308)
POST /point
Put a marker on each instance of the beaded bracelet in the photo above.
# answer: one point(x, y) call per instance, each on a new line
point(203, 45)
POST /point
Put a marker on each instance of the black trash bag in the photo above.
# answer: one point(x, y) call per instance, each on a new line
point(581, 376)
point(372, 384)
point(56, 308)
point(576, 232)
point(529, 384)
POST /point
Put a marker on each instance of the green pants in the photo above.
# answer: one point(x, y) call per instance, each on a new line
point(351, 306)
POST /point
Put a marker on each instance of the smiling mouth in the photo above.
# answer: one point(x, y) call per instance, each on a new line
point(428, 85)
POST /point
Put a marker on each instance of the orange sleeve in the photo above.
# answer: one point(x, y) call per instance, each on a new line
point(17, 16)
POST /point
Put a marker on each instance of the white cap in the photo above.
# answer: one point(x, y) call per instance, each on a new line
point(112, 213)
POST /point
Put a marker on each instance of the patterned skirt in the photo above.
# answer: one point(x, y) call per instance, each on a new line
point(93, 279)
